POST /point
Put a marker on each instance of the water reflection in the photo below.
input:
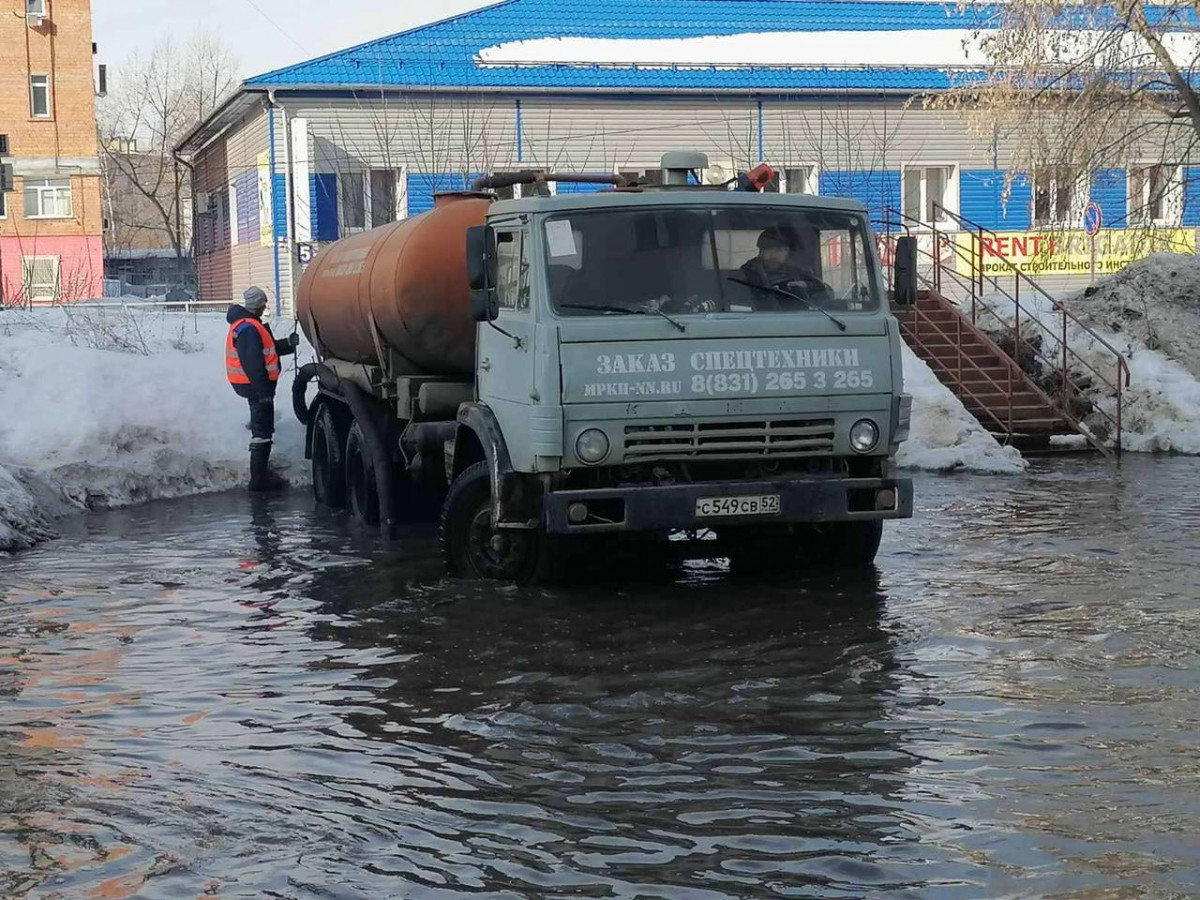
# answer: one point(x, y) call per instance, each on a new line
point(238, 697)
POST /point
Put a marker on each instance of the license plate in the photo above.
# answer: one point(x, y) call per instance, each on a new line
point(760, 505)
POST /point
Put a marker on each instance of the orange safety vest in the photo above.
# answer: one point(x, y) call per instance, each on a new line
point(233, 363)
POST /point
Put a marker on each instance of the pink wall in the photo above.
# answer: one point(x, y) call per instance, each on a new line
point(81, 265)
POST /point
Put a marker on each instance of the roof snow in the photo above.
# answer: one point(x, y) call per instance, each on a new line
point(938, 48)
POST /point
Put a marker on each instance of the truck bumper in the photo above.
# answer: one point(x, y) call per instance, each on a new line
point(659, 507)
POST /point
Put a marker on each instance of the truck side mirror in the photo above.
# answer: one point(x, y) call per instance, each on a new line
point(904, 271)
point(481, 272)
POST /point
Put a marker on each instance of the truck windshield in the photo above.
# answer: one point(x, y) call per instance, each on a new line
point(685, 260)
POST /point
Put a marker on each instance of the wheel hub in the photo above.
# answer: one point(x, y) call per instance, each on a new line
point(495, 554)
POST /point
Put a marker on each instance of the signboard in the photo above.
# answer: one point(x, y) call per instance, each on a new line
point(724, 370)
point(1093, 221)
point(1041, 253)
point(265, 207)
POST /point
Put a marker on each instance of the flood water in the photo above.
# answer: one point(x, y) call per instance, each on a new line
point(233, 697)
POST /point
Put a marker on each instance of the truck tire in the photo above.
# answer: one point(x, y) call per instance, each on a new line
point(472, 549)
point(328, 460)
point(852, 545)
point(757, 552)
point(360, 477)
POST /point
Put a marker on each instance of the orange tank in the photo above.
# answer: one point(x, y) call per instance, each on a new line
point(402, 287)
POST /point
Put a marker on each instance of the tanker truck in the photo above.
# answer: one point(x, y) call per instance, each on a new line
point(709, 369)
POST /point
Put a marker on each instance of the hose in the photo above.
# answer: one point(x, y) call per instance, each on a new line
point(305, 374)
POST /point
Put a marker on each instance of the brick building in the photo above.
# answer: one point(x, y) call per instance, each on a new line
point(51, 224)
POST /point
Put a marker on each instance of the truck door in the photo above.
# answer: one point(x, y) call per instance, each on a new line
point(506, 361)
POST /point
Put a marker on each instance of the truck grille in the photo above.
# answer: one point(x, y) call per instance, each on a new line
point(729, 440)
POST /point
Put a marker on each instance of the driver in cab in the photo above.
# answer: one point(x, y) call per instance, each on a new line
point(774, 266)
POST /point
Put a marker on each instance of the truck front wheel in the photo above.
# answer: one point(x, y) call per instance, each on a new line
point(851, 545)
point(472, 548)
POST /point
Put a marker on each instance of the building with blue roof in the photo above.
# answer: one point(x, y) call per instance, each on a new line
point(822, 89)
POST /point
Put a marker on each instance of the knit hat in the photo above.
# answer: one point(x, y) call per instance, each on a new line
point(255, 299)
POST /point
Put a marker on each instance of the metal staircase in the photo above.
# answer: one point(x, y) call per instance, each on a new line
point(1032, 392)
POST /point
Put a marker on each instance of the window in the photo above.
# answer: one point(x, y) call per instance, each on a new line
point(1057, 192)
point(795, 180)
point(40, 277)
point(3, 205)
point(512, 263)
point(48, 198)
point(383, 197)
point(35, 8)
point(352, 190)
point(929, 191)
point(39, 96)
point(1155, 195)
point(684, 260)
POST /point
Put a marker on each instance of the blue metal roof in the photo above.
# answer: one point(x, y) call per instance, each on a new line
point(443, 54)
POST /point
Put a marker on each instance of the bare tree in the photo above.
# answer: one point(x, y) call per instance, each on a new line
point(1074, 88)
point(158, 100)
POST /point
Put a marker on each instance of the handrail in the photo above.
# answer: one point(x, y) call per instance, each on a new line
point(1007, 390)
point(962, 386)
point(1069, 387)
point(967, 225)
point(980, 301)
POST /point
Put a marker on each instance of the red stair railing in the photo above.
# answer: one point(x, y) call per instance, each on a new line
point(1061, 357)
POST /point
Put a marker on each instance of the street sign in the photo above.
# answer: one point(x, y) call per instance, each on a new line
point(1093, 221)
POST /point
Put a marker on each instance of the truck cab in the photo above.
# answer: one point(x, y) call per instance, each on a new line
point(658, 362)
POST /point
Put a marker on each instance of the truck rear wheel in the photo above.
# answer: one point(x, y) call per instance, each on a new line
point(472, 548)
point(360, 477)
point(328, 460)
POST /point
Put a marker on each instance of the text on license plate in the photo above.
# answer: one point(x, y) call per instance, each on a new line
point(758, 505)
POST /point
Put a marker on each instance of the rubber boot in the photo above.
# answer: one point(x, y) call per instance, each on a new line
point(261, 476)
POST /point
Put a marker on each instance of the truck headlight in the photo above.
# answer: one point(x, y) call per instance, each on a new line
point(864, 435)
point(591, 446)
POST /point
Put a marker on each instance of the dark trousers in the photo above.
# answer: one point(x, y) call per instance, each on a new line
point(262, 419)
point(262, 416)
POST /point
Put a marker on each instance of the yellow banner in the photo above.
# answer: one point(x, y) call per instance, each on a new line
point(265, 208)
point(1042, 253)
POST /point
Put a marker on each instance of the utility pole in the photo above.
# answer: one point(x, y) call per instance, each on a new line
point(6, 188)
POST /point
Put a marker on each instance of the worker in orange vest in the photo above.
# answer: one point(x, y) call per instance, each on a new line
point(252, 365)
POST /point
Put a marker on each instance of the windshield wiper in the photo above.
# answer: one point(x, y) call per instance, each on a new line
point(771, 289)
point(625, 310)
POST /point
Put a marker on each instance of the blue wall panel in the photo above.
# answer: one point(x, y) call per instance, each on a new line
point(323, 201)
point(568, 187)
point(279, 205)
point(876, 190)
point(1191, 197)
point(421, 188)
point(981, 199)
point(1110, 188)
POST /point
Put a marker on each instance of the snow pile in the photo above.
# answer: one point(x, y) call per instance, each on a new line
point(944, 436)
point(1161, 412)
point(102, 408)
point(1153, 303)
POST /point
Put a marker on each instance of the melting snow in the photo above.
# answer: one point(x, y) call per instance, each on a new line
point(103, 408)
point(945, 437)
